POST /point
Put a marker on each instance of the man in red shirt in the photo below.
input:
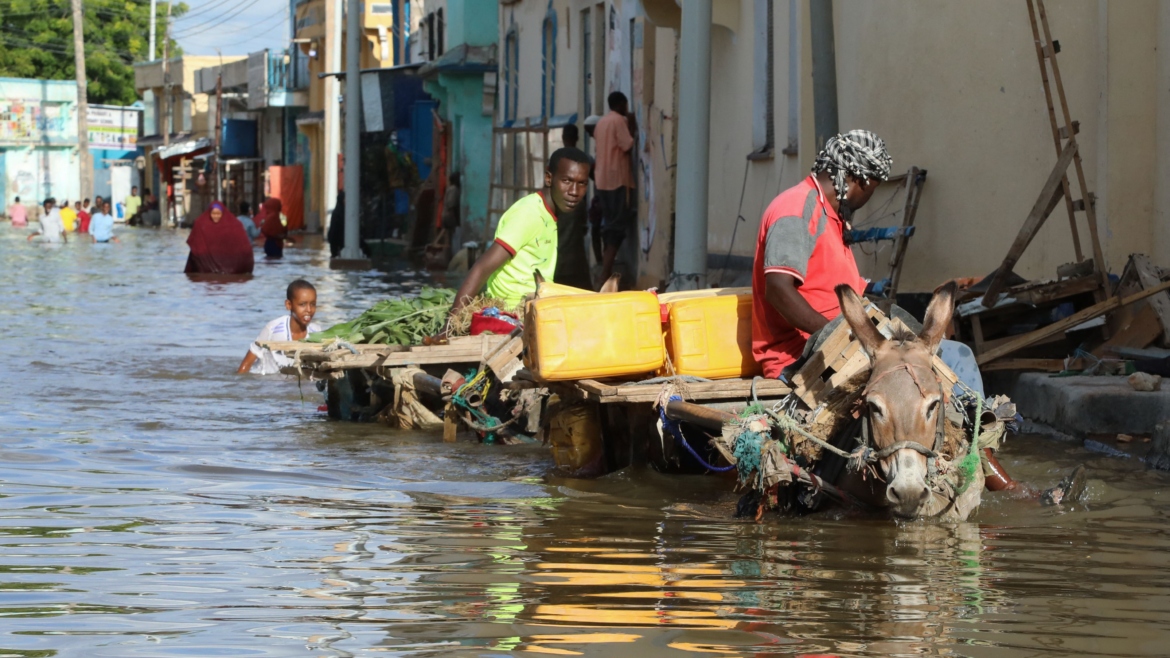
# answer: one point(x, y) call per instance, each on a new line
point(613, 180)
point(801, 251)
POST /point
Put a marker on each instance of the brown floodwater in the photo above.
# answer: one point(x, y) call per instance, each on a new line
point(152, 503)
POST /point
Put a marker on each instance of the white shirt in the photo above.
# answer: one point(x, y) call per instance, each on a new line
point(52, 227)
point(269, 362)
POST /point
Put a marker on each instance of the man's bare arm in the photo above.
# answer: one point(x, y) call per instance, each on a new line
point(780, 291)
point(492, 260)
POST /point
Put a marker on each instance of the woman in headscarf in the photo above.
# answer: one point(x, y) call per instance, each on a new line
point(219, 244)
point(272, 227)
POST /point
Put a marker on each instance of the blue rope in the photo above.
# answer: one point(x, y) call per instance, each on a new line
point(676, 432)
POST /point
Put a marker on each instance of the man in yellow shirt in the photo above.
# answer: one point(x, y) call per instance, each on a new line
point(526, 237)
point(131, 204)
point(68, 217)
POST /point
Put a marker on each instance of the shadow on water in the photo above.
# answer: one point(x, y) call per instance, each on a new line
point(152, 503)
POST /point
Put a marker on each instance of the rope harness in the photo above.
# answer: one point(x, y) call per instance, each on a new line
point(931, 454)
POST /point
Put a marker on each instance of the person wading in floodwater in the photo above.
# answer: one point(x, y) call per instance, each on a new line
point(219, 244)
point(526, 237)
point(803, 254)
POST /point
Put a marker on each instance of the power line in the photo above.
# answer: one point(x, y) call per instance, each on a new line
point(281, 13)
point(225, 17)
point(203, 9)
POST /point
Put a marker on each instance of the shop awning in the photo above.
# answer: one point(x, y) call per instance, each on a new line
point(187, 147)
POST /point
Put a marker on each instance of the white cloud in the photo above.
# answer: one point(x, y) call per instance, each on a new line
point(233, 27)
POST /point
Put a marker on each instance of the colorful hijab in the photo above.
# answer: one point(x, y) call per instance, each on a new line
point(269, 219)
point(219, 247)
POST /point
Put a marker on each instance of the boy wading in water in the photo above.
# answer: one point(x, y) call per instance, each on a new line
point(301, 302)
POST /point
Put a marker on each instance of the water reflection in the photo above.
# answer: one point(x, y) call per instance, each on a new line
point(153, 503)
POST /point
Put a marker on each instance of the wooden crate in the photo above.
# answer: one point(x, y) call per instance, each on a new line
point(840, 358)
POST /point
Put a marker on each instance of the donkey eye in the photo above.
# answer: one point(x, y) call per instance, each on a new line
point(932, 408)
point(875, 409)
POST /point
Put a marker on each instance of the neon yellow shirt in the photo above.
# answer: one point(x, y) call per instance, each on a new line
point(528, 230)
point(130, 206)
point(69, 219)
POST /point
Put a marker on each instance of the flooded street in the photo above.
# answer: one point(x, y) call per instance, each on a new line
point(153, 503)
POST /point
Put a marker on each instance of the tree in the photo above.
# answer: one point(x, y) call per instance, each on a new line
point(36, 42)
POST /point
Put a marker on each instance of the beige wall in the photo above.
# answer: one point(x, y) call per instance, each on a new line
point(967, 105)
point(953, 88)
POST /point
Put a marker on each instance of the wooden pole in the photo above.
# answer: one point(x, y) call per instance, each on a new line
point(218, 128)
point(165, 117)
point(1068, 323)
point(86, 164)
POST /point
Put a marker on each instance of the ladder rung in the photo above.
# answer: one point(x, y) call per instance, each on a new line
point(1076, 130)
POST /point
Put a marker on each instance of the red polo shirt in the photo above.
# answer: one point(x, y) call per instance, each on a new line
point(801, 235)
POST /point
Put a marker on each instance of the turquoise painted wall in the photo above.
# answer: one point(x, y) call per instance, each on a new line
point(474, 22)
point(460, 97)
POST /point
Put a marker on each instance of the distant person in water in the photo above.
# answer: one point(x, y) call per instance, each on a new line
point(245, 217)
point(18, 213)
point(301, 302)
point(101, 226)
point(219, 244)
point(52, 228)
point(273, 228)
point(83, 216)
point(336, 233)
point(68, 217)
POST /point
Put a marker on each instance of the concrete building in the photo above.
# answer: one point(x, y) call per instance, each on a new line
point(38, 141)
point(319, 32)
point(177, 126)
point(259, 151)
point(966, 104)
point(113, 147)
point(458, 40)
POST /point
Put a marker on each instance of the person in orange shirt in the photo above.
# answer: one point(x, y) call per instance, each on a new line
point(612, 178)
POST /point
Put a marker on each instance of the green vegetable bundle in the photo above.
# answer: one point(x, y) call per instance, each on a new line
point(395, 321)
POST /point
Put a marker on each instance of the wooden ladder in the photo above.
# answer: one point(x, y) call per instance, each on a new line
point(1064, 139)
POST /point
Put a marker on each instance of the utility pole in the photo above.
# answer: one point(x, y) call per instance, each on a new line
point(153, 10)
point(82, 104)
point(353, 130)
point(333, 17)
point(218, 128)
point(166, 112)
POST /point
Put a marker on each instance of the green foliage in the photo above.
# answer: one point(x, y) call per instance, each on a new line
point(36, 41)
point(395, 321)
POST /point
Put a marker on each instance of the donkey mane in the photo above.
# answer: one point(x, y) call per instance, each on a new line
point(903, 335)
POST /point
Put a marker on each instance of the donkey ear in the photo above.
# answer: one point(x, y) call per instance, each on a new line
point(854, 312)
point(938, 316)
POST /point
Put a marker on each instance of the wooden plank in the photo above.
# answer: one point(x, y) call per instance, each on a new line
point(1045, 365)
point(1090, 210)
point(1031, 225)
point(1141, 330)
point(1067, 323)
point(450, 423)
point(1148, 277)
point(695, 392)
point(1055, 290)
point(307, 348)
point(913, 193)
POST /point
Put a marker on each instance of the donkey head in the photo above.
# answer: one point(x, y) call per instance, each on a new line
point(904, 397)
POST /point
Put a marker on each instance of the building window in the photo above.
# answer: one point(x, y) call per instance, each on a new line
point(430, 21)
point(549, 63)
point(764, 100)
point(511, 73)
point(587, 62)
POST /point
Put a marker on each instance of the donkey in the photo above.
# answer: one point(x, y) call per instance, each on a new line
point(906, 405)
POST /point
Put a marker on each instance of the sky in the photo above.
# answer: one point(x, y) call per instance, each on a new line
point(232, 27)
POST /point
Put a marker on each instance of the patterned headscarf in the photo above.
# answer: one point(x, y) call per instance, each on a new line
point(860, 154)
